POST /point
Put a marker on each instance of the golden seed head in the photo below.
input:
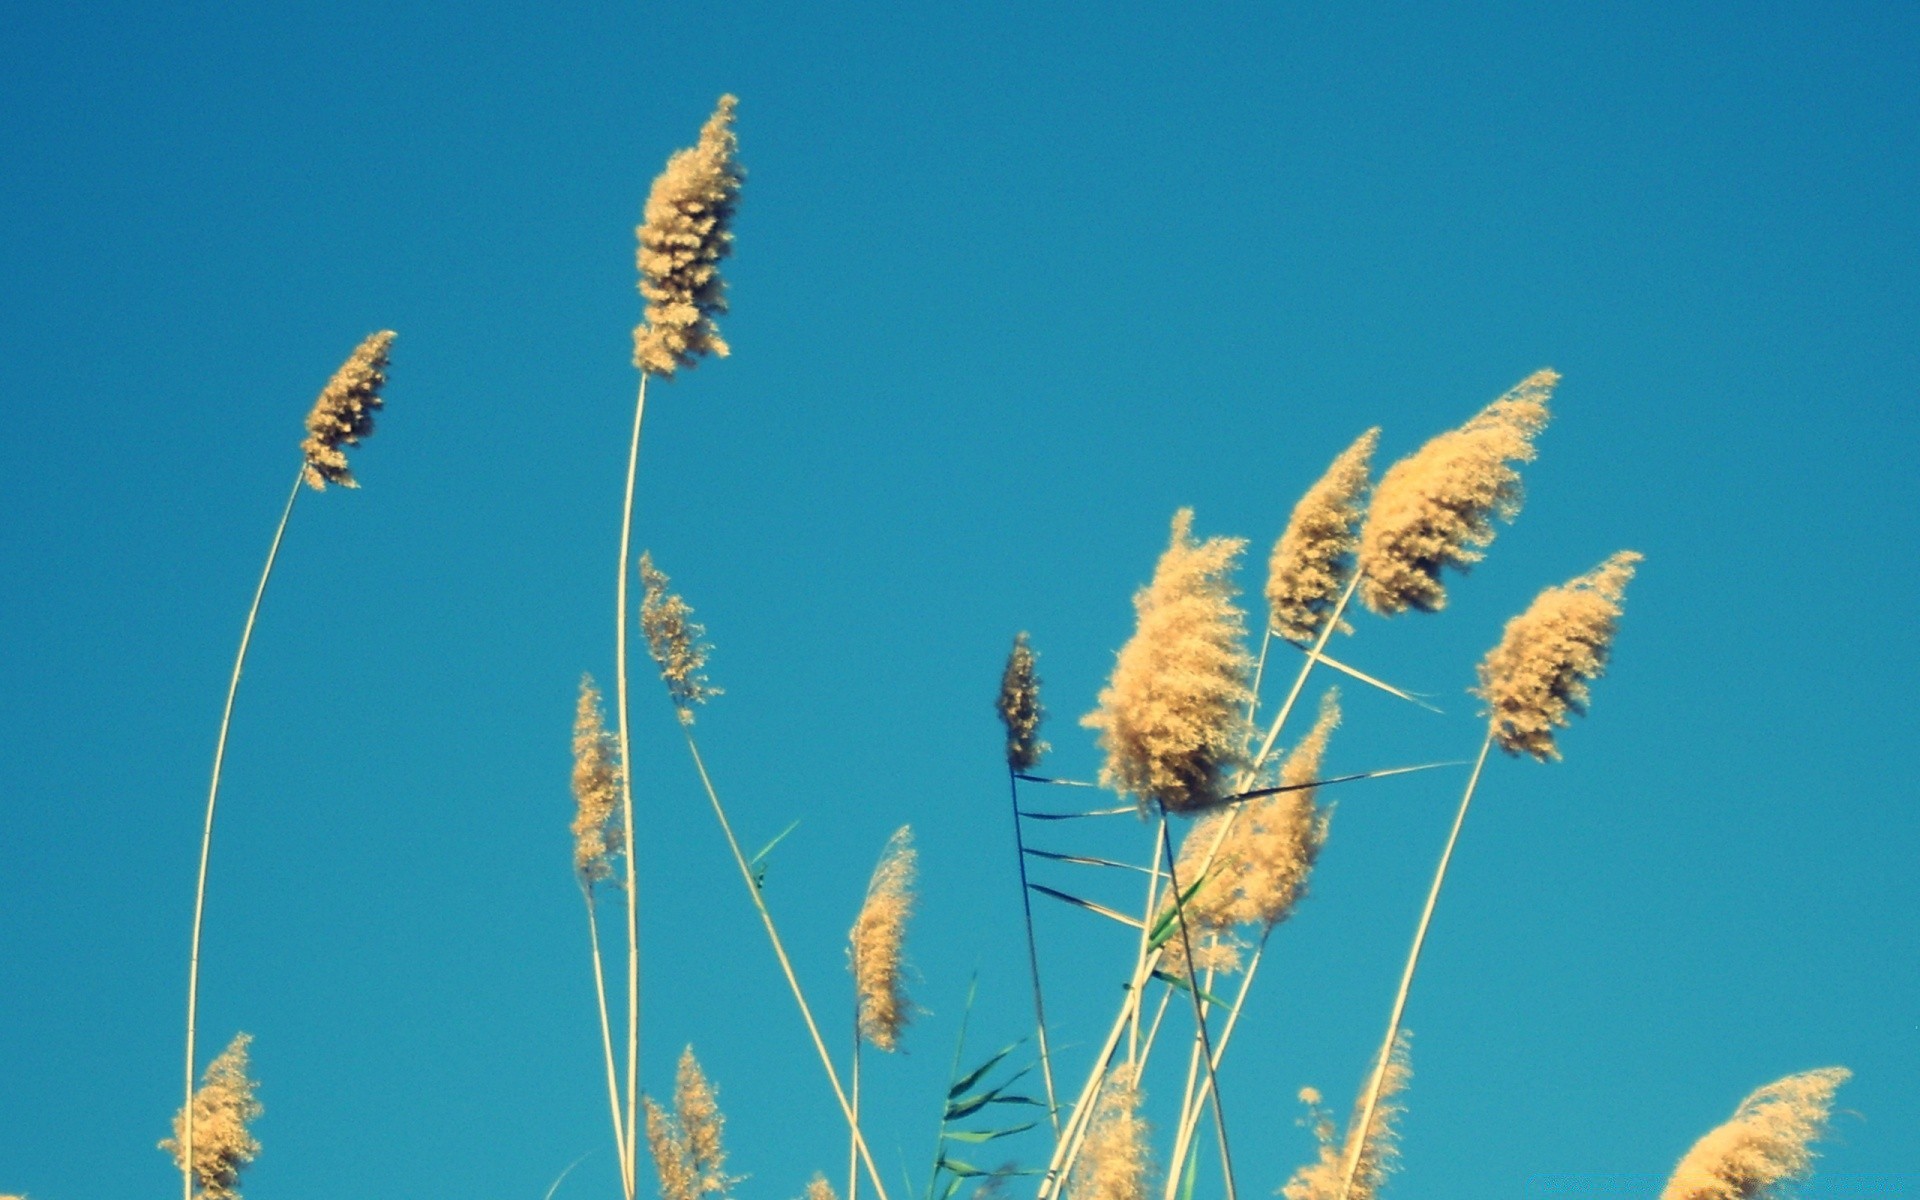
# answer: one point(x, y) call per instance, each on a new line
point(1320, 1179)
point(1019, 706)
point(676, 642)
point(685, 1145)
point(597, 837)
point(1116, 1161)
point(1768, 1141)
point(222, 1107)
point(1539, 672)
point(819, 1189)
point(1435, 508)
point(1313, 559)
point(874, 944)
point(1171, 719)
point(343, 415)
point(687, 230)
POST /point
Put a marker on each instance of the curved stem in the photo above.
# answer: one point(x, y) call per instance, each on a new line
point(206, 835)
point(606, 1040)
point(1033, 955)
point(628, 1159)
point(1365, 1125)
point(786, 964)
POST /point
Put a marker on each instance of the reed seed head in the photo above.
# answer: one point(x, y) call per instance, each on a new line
point(1768, 1142)
point(597, 837)
point(1321, 1178)
point(223, 1105)
point(1020, 709)
point(686, 1144)
point(343, 415)
point(1539, 672)
point(1435, 508)
point(1313, 559)
point(676, 642)
point(687, 230)
point(1171, 719)
point(874, 944)
point(819, 1189)
point(1116, 1161)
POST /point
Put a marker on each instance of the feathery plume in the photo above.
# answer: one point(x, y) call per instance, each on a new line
point(1766, 1143)
point(687, 230)
point(596, 789)
point(1313, 559)
point(1539, 672)
point(1171, 719)
point(222, 1107)
point(874, 943)
point(343, 415)
point(686, 1144)
point(1320, 1179)
point(819, 1189)
point(1435, 508)
point(1019, 706)
point(1260, 872)
point(675, 641)
point(1115, 1162)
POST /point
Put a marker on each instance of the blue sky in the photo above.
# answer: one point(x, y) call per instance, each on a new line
point(1013, 283)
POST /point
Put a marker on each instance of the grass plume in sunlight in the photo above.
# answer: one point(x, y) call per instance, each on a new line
point(1320, 1179)
point(1766, 1143)
point(343, 415)
point(874, 945)
point(1312, 561)
point(223, 1107)
point(686, 231)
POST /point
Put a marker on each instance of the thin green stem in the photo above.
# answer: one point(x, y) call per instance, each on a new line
point(1365, 1126)
point(206, 834)
point(1033, 954)
point(786, 964)
point(606, 1039)
point(628, 1152)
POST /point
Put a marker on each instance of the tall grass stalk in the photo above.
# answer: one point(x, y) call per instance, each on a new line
point(1033, 955)
point(629, 1148)
point(1199, 1008)
point(786, 964)
point(206, 834)
point(1365, 1125)
point(606, 1043)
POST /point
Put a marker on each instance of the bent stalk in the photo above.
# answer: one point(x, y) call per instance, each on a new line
point(1365, 1125)
point(206, 835)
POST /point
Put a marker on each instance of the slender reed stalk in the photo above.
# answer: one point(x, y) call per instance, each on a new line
point(206, 833)
point(1365, 1122)
point(786, 964)
point(1033, 956)
point(606, 1042)
point(629, 1149)
point(853, 1088)
point(1199, 1007)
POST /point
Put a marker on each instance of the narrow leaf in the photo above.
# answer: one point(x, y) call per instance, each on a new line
point(1075, 816)
point(1089, 905)
point(1085, 860)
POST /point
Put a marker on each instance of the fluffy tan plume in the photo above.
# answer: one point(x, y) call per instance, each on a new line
point(222, 1107)
point(819, 1189)
point(1539, 672)
point(1260, 873)
point(596, 789)
point(687, 230)
point(874, 944)
point(343, 415)
point(1172, 717)
point(675, 641)
point(1019, 705)
point(1435, 508)
point(1320, 1179)
point(686, 1144)
point(1765, 1144)
point(1116, 1161)
point(1313, 559)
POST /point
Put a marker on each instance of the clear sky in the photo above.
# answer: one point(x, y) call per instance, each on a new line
point(1013, 283)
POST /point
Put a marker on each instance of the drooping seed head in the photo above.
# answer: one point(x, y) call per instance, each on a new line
point(1767, 1143)
point(1313, 559)
point(223, 1106)
point(1435, 508)
point(1116, 1161)
point(1538, 675)
point(874, 944)
point(1020, 710)
point(1321, 1179)
point(1171, 718)
point(675, 641)
point(597, 837)
point(686, 232)
point(343, 415)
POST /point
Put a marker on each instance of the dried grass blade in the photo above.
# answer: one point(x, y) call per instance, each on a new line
point(1086, 860)
point(1090, 906)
